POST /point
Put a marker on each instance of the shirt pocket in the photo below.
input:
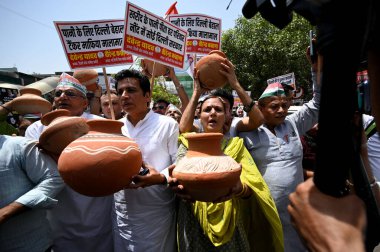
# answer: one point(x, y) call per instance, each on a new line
point(292, 148)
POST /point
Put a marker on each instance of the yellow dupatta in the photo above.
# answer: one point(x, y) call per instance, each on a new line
point(258, 213)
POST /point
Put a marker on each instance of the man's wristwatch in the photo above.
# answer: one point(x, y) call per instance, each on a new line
point(249, 107)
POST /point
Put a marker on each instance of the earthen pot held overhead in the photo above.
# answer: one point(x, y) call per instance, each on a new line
point(159, 69)
point(209, 67)
point(31, 102)
point(205, 172)
point(101, 162)
point(61, 129)
point(87, 77)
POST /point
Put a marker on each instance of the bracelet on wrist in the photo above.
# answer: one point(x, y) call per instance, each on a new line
point(165, 182)
point(248, 108)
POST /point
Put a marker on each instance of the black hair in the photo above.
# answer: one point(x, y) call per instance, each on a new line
point(224, 94)
point(163, 101)
point(112, 91)
point(131, 73)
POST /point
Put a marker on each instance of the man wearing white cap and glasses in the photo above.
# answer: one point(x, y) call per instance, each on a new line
point(69, 94)
point(79, 223)
point(276, 148)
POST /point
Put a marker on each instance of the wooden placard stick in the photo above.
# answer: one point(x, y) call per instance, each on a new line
point(108, 93)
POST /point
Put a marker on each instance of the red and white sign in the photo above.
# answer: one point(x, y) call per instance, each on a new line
point(237, 100)
point(153, 37)
point(204, 32)
point(90, 44)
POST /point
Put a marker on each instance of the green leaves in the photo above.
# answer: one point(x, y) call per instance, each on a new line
point(160, 92)
point(261, 51)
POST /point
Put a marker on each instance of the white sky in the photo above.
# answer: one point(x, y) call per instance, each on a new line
point(29, 41)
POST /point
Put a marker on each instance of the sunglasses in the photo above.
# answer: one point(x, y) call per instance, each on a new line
point(68, 93)
point(159, 107)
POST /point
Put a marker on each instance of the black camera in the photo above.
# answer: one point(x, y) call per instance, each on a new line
point(279, 12)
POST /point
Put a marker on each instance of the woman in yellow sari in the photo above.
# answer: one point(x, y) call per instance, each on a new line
point(248, 220)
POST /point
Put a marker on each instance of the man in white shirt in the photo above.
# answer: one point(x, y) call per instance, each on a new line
point(144, 217)
point(373, 145)
point(79, 223)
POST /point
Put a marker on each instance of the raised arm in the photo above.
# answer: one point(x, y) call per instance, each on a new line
point(180, 90)
point(187, 120)
point(254, 117)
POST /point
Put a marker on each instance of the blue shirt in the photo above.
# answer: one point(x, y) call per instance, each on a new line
point(31, 178)
point(279, 159)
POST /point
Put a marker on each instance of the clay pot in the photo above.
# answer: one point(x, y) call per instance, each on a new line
point(61, 130)
point(205, 172)
point(208, 67)
point(87, 77)
point(159, 69)
point(31, 102)
point(101, 162)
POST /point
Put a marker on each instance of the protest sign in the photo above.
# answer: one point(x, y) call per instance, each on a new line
point(237, 100)
point(287, 79)
point(90, 44)
point(204, 32)
point(153, 37)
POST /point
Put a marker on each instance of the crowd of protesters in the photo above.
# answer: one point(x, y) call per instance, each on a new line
point(38, 212)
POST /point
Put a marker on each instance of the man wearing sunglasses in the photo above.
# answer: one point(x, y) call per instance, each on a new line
point(69, 94)
point(160, 106)
point(78, 222)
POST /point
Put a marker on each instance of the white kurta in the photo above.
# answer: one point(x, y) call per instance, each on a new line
point(279, 159)
point(79, 223)
point(144, 218)
point(35, 129)
point(373, 147)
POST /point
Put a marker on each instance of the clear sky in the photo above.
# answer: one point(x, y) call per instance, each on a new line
point(29, 41)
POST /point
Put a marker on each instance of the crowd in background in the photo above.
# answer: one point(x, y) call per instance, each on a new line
point(276, 150)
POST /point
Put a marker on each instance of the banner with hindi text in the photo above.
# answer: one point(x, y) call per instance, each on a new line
point(152, 37)
point(90, 44)
point(204, 32)
point(287, 79)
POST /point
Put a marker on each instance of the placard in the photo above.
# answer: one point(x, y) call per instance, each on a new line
point(204, 32)
point(90, 44)
point(153, 37)
point(287, 79)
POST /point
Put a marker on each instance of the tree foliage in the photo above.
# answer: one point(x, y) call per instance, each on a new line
point(160, 92)
point(261, 51)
